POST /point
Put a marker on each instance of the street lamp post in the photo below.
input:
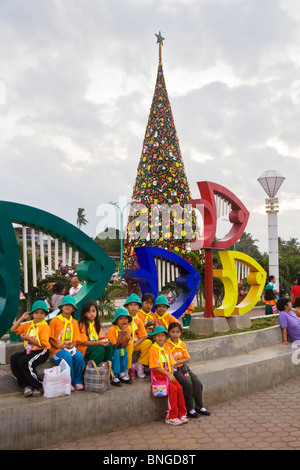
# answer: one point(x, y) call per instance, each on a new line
point(121, 211)
point(271, 180)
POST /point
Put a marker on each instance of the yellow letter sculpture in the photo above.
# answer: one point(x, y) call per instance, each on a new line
point(228, 275)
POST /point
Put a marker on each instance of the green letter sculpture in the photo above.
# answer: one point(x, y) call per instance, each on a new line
point(96, 269)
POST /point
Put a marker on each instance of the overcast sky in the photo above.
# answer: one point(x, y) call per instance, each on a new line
point(76, 85)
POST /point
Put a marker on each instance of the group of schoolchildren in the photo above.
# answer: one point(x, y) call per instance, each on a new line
point(135, 328)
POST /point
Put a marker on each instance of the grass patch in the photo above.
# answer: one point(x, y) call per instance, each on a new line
point(257, 324)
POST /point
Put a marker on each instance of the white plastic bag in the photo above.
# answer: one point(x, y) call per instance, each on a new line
point(57, 380)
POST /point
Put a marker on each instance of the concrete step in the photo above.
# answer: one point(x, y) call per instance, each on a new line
point(257, 362)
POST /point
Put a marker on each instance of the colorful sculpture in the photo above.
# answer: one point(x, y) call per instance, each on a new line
point(238, 216)
point(228, 275)
point(96, 269)
point(188, 279)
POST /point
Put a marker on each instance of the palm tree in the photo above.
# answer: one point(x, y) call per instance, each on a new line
point(106, 302)
point(81, 220)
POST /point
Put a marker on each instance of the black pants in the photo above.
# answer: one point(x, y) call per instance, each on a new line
point(192, 387)
point(24, 365)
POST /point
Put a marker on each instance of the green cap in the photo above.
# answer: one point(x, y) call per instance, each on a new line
point(133, 298)
point(119, 312)
point(39, 304)
point(159, 329)
point(161, 300)
point(68, 300)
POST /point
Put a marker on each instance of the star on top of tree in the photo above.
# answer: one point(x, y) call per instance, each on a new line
point(160, 39)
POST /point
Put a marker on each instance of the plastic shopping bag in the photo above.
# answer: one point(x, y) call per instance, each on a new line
point(57, 380)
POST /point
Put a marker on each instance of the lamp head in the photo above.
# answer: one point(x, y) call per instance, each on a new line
point(271, 180)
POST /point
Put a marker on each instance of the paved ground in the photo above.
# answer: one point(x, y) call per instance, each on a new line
point(266, 420)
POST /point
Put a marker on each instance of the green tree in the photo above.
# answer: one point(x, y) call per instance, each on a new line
point(289, 263)
point(109, 240)
point(81, 220)
point(106, 302)
point(247, 245)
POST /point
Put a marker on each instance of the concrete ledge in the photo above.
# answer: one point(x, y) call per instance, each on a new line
point(239, 322)
point(232, 344)
point(227, 378)
point(7, 349)
point(208, 326)
point(32, 423)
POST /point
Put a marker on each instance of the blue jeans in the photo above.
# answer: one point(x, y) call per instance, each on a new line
point(119, 363)
point(76, 364)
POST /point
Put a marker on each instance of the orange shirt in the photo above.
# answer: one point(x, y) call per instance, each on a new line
point(57, 328)
point(165, 320)
point(85, 337)
point(137, 329)
point(145, 317)
point(178, 351)
point(156, 358)
point(113, 334)
point(190, 310)
point(41, 332)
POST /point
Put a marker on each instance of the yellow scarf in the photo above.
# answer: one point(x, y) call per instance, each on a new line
point(176, 346)
point(93, 336)
point(67, 335)
point(117, 335)
point(162, 318)
point(35, 334)
point(163, 355)
point(133, 327)
point(148, 317)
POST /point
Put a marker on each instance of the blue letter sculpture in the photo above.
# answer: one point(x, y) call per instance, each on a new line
point(188, 280)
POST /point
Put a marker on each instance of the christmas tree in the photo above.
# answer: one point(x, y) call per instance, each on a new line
point(161, 213)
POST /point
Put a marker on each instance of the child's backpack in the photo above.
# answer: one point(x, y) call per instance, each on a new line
point(159, 387)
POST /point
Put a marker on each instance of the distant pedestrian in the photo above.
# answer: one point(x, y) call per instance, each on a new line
point(59, 291)
point(75, 286)
point(272, 283)
point(269, 300)
point(296, 306)
point(242, 292)
point(295, 292)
